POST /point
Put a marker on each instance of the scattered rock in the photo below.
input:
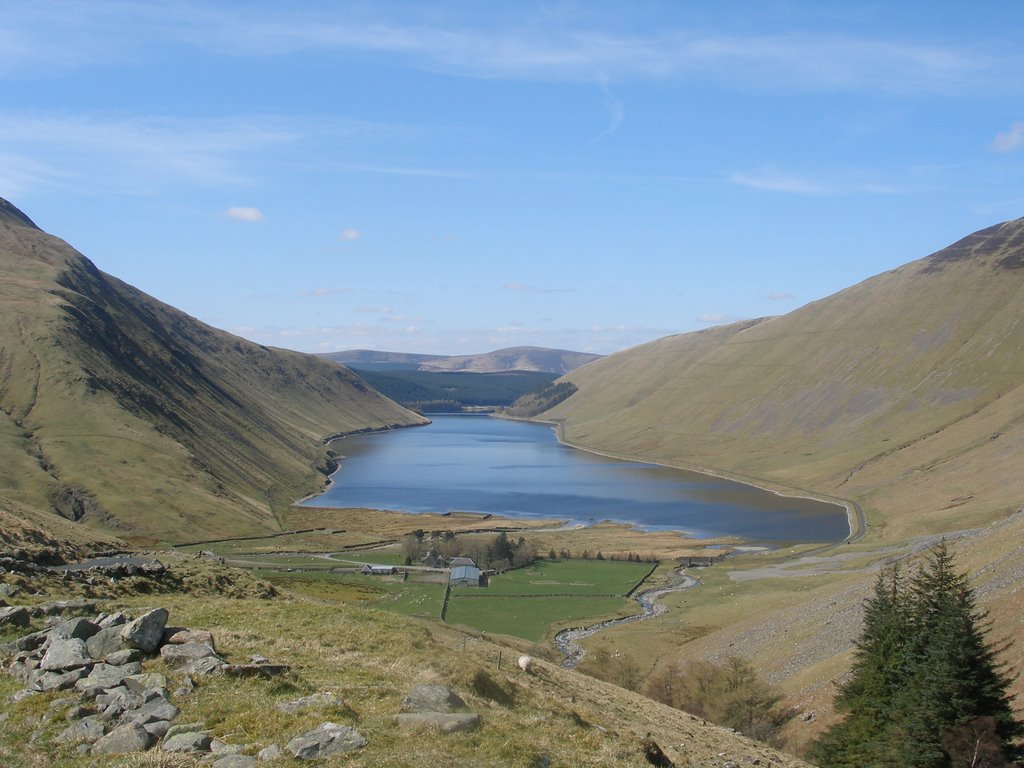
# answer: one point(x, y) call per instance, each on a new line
point(326, 739)
point(191, 741)
point(124, 656)
point(180, 636)
point(55, 681)
point(432, 698)
point(210, 665)
point(180, 655)
point(158, 728)
point(447, 722)
point(130, 737)
point(15, 616)
point(105, 643)
point(108, 676)
point(147, 631)
point(87, 729)
point(269, 753)
point(61, 607)
point(234, 761)
point(80, 627)
point(185, 728)
point(66, 653)
point(255, 670)
point(152, 711)
point(314, 701)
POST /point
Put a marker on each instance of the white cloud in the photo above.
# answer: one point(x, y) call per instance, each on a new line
point(616, 110)
point(780, 296)
point(349, 234)
point(1009, 141)
point(72, 33)
point(374, 310)
point(244, 214)
point(775, 180)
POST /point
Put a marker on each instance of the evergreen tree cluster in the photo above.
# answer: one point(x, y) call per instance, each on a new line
point(926, 689)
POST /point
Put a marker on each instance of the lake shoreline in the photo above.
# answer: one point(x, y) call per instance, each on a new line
point(790, 533)
point(854, 514)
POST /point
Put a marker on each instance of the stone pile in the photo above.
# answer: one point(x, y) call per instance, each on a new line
point(114, 706)
point(117, 707)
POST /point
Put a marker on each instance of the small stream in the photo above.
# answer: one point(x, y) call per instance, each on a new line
point(568, 640)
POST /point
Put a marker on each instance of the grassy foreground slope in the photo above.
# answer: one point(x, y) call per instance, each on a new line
point(905, 392)
point(121, 412)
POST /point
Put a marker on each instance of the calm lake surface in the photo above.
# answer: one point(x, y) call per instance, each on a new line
point(517, 469)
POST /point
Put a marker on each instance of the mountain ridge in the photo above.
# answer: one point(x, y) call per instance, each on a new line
point(128, 414)
point(527, 358)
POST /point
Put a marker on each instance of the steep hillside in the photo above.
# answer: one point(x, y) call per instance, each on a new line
point(122, 412)
point(905, 392)
point(538, 359)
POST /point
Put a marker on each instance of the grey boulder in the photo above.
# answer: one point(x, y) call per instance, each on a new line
point(432, 698)
point(65, 653)
point(192, 741)
point(146, 632)
point(88, 729)
point(326, 739)
point(130, 737)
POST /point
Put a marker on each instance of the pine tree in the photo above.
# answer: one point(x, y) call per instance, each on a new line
point(869, 735)
point(926, 689)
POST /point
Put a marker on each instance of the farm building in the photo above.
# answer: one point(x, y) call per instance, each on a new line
point(465, 573)
point(378, 570)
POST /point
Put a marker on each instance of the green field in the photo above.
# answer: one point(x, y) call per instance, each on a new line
point(530, 617)
point(526, 602)
point(569, 577)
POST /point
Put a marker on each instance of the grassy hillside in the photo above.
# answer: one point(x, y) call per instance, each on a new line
point(124, 413)
point(905, 392)
point(371, 659)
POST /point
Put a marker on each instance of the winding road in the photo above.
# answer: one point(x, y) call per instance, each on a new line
point(568, 640)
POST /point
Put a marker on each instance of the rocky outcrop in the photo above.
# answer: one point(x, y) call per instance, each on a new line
point(324, 740)
point(118, 708)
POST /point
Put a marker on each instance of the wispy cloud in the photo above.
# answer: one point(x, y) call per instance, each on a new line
point(1009, 141)
point(775, 180)
point(616, 110)
point(251, 215)
point(137, 152)
point(780, 296)
point(526, 287)
point(63, 34)
point(348, 234)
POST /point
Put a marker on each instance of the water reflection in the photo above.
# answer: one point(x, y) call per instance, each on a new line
point(479, 464)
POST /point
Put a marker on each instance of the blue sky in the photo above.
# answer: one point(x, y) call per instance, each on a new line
point(462, 176)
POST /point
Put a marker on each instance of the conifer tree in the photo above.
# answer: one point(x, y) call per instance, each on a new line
point(926, 689)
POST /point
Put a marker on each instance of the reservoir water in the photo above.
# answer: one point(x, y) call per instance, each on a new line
point(516, 469)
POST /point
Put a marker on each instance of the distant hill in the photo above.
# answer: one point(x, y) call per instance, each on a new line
point(126, 414)
point(541, 359)
point(905, 392)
